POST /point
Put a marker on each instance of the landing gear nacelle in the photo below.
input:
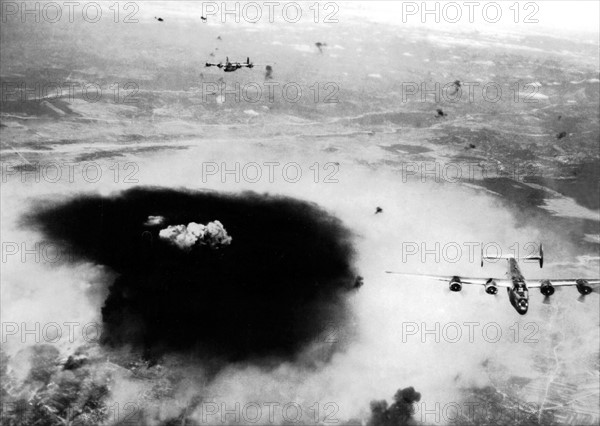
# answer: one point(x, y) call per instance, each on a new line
point(547, 289)
point(583, 287)
point(491, 287)
point(455, 284)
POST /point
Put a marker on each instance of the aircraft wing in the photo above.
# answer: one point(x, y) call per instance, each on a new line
point(500, 282)
point(563, 282)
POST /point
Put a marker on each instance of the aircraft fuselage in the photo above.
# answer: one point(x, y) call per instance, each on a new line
point(234, 66)
point(518, 294)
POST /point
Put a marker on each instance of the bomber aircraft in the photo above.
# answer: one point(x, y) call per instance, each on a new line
point(231, 66)
point(515, 284)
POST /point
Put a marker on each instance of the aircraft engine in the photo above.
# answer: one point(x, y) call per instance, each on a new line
point(491, 287)
point(455, 284)
point(547, 289)
point(583, 287)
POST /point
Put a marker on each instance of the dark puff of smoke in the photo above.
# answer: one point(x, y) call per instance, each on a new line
point(320, 46)
point(269, 294)
point(399, 413)
point(268, 72)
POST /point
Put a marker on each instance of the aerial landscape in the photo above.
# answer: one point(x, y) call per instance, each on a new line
point(198, 211)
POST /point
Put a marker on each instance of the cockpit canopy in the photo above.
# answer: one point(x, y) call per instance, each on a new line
point(521, 290)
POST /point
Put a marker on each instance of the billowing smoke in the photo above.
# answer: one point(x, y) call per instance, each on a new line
point(189, 289)
point(212, 235)
point(52, 391)
point(399, 413)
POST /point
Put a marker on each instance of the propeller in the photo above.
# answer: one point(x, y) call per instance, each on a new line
point(496, 297)
point(548, 299)
point(581, 298)
point(461, 292)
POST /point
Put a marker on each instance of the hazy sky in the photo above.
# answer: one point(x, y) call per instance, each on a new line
point(552, 15)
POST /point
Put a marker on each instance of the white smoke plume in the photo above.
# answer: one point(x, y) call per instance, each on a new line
point(154, 220)
point(213, 235)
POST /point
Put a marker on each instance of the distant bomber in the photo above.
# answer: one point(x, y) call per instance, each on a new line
point(231, 66)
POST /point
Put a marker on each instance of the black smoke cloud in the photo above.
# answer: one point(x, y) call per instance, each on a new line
point(270, 293)
point(399, 413)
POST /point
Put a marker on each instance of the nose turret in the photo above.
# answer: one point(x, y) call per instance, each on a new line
point(522, 305)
